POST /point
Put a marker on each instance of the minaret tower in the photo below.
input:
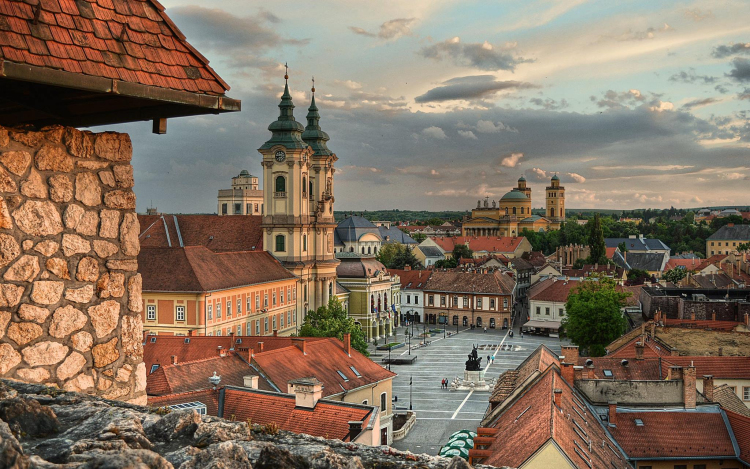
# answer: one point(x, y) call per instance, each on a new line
point(555, 201)
point(297, 223)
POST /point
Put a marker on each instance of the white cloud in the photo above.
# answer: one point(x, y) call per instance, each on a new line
point(489, 127)
point(434, 132)
point(540, 174)
point(577, 177)
point(467, 134)
point(664, 167)
point(352, 85)
point(734, 176)
point(512, 160)
point(662, 106)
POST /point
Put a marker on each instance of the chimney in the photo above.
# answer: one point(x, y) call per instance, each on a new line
point(571, 353)
point(639, 351)
point(721, 351)
point(355, 428)
point(688, 386)
point(674, 373)
point(245, 353)
point(577, 372)
point(747, 320)
point(420, 274)
point(260, 347)
point(307, 392)
point(612, 413)
point(730, 225)
point(250, 381)
point(300, 344)
point(174, 359)
point(348, 344)
point(692, 316)
point(406, 269)
point(708, 387)
point(567, 373)
point(275, 333)
point(713, 316)
point(557, 395)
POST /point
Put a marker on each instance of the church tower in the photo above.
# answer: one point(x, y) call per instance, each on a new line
point(523, 187)
point(298, 199)
point(555, 201)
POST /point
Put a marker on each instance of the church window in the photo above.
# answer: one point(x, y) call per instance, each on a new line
point(223, 209)
point(304, 184)
point(238, 209)
point(311, 189)
point(280, 243)
point(369, 250)
point(506, 210)
point(514, 210)
point(304, 242)
point(280, 184)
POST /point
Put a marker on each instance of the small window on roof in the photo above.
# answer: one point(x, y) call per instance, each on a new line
point(153, 340)
point(187, 340)
point(154, 368)
point(238, 341)
point(356, 373)
point(342, 375)
point(638, 422)
point(607, 373)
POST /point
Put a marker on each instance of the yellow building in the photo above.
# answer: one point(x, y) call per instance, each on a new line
point(244, 198)
point(512, 213)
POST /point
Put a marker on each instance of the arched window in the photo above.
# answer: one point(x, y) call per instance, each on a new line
point(514, 210)
point(330, 289)
point(280, 184)
point(552, 212)
point(369, 250)
point(311, 189)
point(280, 241)
point(304, 242)
point(372, 303)
point(304, 182)
point(379, 303)
point(506, 210)
point(351, 248)
point(384, 403)
point(479, 321)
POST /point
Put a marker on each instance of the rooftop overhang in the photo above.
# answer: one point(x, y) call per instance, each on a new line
point(42, 96)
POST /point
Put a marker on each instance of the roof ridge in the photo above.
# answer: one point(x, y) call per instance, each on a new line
point(197, 360)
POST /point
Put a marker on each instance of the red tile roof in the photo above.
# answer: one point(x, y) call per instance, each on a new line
point(227, 233)
point(552, 289)
point(128, 40)
point(673, 433)
point(193, 376)
point(701, 324)
point(741, 428)
point(718, 367)
point(209, 397)
point(323, 359)
point(497, 283)
point(198, 269)
point(688, 264)
point(328, 419)
point(481, 243)
point(651, 349)
point(611, 252)
point(411, 279)
point(646, 369)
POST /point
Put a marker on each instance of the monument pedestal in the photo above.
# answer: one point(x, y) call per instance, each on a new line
point(472, 380)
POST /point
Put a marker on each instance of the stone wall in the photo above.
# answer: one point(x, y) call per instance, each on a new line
point(659, 392)
point(70, 295)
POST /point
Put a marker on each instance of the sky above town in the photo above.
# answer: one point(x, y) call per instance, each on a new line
point(435, 104)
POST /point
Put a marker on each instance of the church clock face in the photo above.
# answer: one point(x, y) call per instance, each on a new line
point(280, 156)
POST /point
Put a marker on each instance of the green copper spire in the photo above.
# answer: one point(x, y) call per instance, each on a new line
point(286, 130)
point(313, 135)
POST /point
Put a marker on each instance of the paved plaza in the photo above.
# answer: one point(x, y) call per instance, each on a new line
point(441, 412)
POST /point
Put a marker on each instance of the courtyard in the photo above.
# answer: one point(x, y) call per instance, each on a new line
point(440, 412)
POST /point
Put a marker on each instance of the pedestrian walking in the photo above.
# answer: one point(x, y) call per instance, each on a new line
point(446, 383)
point(485, 328)
point(521, 335)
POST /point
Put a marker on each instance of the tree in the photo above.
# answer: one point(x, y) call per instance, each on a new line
point(674, 275)
point(638, 276)
point(418, 237)
point(596, 241)
point(462, 251)
point(579, 263)
point(332, 321)
point(623, 247)
point(743, 247)
point(592, 315)
point(387, 253)
point(450, 263)
point(397, 256)
point(689, 218)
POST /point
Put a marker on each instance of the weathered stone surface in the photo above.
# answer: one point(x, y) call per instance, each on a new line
point(24, 332)
point(66, 320)
point(88, 224)
point(92, 165)
point(53, 133)
point(6, 222)
point(16, 161)
point(107, 178)
point(27, 244)
point(9, 249)
point(38, 218)
point(135, 298)
point(124, 176)
point(88, 190)
point(82, 382)
point(7, 184)
point(78, 143)
point(47, 248)
point(25, 269)
point(105, 249)
point(229, 455)
point(44, 353)
point(46, 292)
point(104, 317)
point(116, 393)
point(129, 235)
point(11, 453)
point(102, 384)
point(27, 417)
point(34, 186)
point(105, 353)
point(61, 188)
point(111, 285)
point(80, 295)
point(114, 146)
point(110, 226)
point(74, 244)
point(87, 270)
point(132, 336)
point(4, 138)
point(9, 358)
point(58, 267)
point(53, 158)
point(123, 374)
point(72, 216)
point(4, 320)
point(82, 341)
point(29, 139)
point(10, 295)
point(70, 366)
point(33, 375)
point(140, 378)
point(29, 312)
point(130, 265)
point(120, 199)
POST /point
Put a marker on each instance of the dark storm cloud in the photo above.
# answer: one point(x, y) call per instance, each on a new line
point(470, 88)
point(733, 49)
point(741, 70)
point(392, 29)
point(483, 56)
point(691, 77)
point(744, 94)
point(549, 104)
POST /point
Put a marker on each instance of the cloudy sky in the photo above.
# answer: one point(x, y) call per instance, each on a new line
point(433, 104)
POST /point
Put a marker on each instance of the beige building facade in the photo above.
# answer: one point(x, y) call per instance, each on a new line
point(244, 198)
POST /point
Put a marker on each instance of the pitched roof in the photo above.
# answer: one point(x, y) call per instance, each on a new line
point(193, 376)
point(728, 399)
point(590, 269)
point(394, 235)
point(741, 427)
point(209, 397)
point(646, 369)
point(225, 233)
point(520, 264)
point(359, 267)
point(637, 244)
point(738, 232)
point(328, 419)
point(323, 359)
point(626, 348)
point(650, 261)
point(537, 258)
point(713, 280)
point(701, 324)
point(552, 289)
point(481, 243)
point(412, 279)
point(673, 433)
point(496, 283)
point(354, 227)
point(718, 367)
point(431, 251)
point(197, 269)
point(687, 264)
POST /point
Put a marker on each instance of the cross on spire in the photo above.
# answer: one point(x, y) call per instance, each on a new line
point(313, 85)
point(286, 71)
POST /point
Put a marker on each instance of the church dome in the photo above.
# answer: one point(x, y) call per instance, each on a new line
point(244, 172)
point(555, 178)
point(514, 195)
point(522, 179)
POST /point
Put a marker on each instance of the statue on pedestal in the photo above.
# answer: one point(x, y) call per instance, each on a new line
point(474, 362)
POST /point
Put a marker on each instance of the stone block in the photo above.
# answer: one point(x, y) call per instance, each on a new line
point(4, 320)
point(33, 375)
point(24, 332)
point(130, 265)
point(80, 383)
point(10, 295)
point(107, 178)
point(88, 224)
point(9, 249)
point(105, 249)
point(29, 312)
point(104, 317)
point(135, 297)
point(59, 268)
point(120, 199)
point(7, 183)
point(80, 295)
point(105, 353)
point(111, 285)
point(87, 270)
point(124, 176)
point(47, 248)
point(82, 341)
point(44, 353)
point(61, 188)
point(129, 231)
point(6, 222)
point(110, 226)
point(78, 143)
point(72, 216)
point(66, 320)
point(53, 158)
point(74, 244)
point(114, 146)
point(9, 358)
point(46, 292)
point(70, 366)
point(30, 139)
point(17, 162)
point(34, 186)
point(88, 190)
point(132, 336)
point(38, 218)
point(24, 269)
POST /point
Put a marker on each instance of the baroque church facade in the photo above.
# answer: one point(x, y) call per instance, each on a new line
point(297, 222)
point(512, 213)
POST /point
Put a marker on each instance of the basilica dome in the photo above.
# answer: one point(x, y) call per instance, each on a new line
point(514, 195)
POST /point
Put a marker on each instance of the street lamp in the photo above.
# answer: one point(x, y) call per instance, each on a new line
point(410, 380)
point(445, 324)
point(408, 336)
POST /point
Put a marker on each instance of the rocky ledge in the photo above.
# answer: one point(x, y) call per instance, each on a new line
point(44, 428)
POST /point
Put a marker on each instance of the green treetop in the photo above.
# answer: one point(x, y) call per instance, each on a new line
point(332, 321)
